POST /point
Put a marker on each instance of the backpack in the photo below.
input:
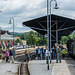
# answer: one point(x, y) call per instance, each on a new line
point(11, 52)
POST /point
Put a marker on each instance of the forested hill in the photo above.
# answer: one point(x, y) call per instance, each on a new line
point(16, 33)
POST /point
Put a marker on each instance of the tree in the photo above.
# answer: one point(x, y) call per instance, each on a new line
point(38, 34)
point(18, 40)
point(31, 38)
point(64, 39)
point(22, 36)
point(42, 40)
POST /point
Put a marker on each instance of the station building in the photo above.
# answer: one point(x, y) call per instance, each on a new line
point(5, 37)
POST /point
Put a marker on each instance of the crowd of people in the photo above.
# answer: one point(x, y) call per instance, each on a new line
point(55, 53)
point(6, 45)
point(8, 54)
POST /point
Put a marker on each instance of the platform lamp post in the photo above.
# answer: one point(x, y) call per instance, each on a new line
point(13, 28)
point(0, 32)
point(50, 23)
point(48, 32)
point(49, 27)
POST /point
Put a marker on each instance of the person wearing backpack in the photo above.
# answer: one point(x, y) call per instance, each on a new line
point(11, 55)
point(39, 53)
point(43, 53)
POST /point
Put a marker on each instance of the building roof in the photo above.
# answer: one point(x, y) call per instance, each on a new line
point(17, 37)
point(6, 37)
point(4, 31)
point(64, 25)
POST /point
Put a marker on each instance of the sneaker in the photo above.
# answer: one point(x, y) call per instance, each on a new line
point(59, 62)
point(56, 62)
point(12, 62)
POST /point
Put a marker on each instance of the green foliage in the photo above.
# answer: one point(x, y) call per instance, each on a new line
point(31, 38)
point(42, 40)
point(18, 40)
point(38, 34)
point(64, 40)
point(22, 37)
point(15, 33)
point(34, 38)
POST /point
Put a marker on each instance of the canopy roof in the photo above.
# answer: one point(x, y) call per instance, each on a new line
point(63, 25)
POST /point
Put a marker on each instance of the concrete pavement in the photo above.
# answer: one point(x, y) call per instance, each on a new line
point(39, 67)
point(60, 68)
point(8, 68)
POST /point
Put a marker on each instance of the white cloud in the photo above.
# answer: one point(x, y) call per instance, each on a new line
point(5, 26)
point(19, 26)
point(11, 4)
point(22, 31)
point(23, 10)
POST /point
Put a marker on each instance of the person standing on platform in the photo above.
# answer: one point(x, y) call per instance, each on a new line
point(46, 53)
point(1, 49)
point(54, 52)
point(63, 53)
point(38, 53)
point(11, 55)
point(6, 44)
point(43, 53)
point(59, 54)
point(14, 53)
point(7, 55)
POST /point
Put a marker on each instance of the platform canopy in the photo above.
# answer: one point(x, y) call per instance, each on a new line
point(63, 25)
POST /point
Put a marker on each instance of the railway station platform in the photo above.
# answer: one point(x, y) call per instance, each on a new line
point(39, 67)
point(9, 68)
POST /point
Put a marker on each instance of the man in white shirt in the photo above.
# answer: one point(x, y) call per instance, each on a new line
point(47, 52)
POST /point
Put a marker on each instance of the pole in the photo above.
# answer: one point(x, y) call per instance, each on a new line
point(50, 25)
point(56, 34)
point(13, 33)
point(0, 34)
point(13, 29)
point(48, 31)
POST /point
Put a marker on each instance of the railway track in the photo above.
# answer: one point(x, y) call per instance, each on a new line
point(21, 51)
point(23, 67)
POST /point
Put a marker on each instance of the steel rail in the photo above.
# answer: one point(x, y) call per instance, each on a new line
point(32, 55)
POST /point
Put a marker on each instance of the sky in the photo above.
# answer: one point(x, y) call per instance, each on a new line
point(24, 10)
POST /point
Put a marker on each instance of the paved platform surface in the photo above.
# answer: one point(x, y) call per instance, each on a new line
point(39, 67)
point(60, 68)
point(8, 68)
